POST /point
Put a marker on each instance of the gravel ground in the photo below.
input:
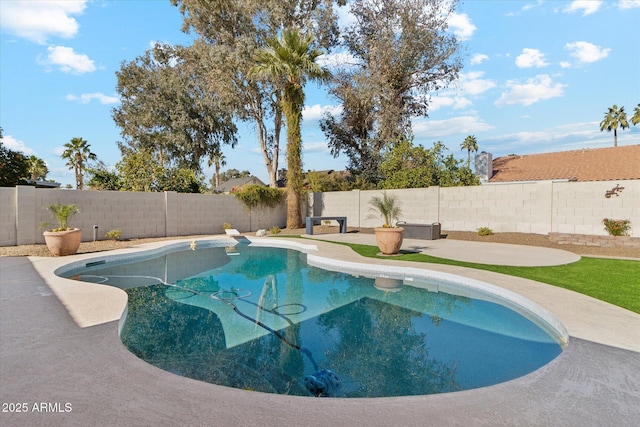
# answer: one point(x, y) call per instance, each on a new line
point(513, 238)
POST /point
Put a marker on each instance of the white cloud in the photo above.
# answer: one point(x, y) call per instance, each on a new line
point(16, 145)
point(469, 84)
point(628, 4)
point(433, 129)
point(565, 64)
point(68, 60)
point(586, 6)
point(478, 58)
point(462, 26)
point(587, 52)
point(316, 111)
point(531, 58)
point(473, 83)
point(533, 90)
point(85, 98)
point(455, 102)
point(38, 20)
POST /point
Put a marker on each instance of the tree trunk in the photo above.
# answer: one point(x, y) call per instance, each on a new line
point(293, 111)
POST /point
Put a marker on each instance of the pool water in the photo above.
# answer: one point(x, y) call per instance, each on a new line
point(262, 319)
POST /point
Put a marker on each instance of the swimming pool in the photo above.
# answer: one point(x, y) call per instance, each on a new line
point(264, 319)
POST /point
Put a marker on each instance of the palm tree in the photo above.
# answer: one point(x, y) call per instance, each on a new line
point(636, 115)
point(37, 168)
point(77, 154)
point(470, 144)
point(612, 119)
point(291, 61)
point(217, 159)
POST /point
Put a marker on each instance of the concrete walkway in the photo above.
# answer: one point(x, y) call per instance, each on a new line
point(85, 376)
point(461, 250)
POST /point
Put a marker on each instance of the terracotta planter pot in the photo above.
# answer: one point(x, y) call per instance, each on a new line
point(389, 240)
point(61, 243)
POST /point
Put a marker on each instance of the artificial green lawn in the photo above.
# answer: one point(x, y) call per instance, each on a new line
point(615, 281)
point(612, 280)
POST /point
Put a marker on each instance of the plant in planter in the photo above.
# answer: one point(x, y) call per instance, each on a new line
point(63, 240)
point(389, 237)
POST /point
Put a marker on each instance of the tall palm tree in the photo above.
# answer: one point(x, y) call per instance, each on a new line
point(37, 168)
point(470, 144)
point(636, 115)
point(612, 119)
point(77, 153)
point(217, 159)
point(291, 61)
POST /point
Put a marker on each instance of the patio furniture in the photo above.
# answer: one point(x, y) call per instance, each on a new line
point(311, 220)
point(421, 231)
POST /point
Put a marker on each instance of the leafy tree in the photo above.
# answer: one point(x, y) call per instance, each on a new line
point(407, 166)
point(38, 169)
point(140, 170)
point(167, 108)
point(13, 166)
point(614, 118)
point(229, 34)
point(636, 115)
point(77, 154)
point(470, 144)
point(402, 53)
point(322, 181)
point(103, 179)
point(292, 59)
point(233, 173)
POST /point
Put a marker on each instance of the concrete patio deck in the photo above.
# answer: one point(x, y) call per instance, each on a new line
point(45, 357)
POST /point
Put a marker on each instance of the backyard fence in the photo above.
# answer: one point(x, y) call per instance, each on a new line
point(545, 207)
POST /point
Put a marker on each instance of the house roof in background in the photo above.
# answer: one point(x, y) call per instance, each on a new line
point(595, 164)
point(227, 186)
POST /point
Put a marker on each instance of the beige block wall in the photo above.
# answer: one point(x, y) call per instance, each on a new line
point(522, 208)
point(532, 207)
point(7, 216)
point(539, 207)
point(579, 207)
point(137, 214)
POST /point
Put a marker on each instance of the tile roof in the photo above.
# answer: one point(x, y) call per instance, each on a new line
point(595, 164)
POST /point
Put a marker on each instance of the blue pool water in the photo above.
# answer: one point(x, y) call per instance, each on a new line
point(262, 319)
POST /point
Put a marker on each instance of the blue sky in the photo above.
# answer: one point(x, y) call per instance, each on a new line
point(538, 76)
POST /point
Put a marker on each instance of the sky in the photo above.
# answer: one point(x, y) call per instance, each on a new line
point(538, 76)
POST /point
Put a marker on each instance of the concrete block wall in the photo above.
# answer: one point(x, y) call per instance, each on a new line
point(8, 218)
point(521, 208)
point(138, 214)
point(538, 207)
point(206, 213)
point(579, 207)
point(533, 207)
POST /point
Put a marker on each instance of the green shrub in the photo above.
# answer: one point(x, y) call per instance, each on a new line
point(115, 234)
point(485, 231)
point(274, 230)
point(62, 213)
point(617, 227)
point(259, 195)
point(226, 226)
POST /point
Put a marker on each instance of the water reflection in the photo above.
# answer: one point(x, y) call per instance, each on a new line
point(264, 320)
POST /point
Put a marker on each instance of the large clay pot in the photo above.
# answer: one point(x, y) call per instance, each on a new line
point(61, 243)
point(389, 240)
